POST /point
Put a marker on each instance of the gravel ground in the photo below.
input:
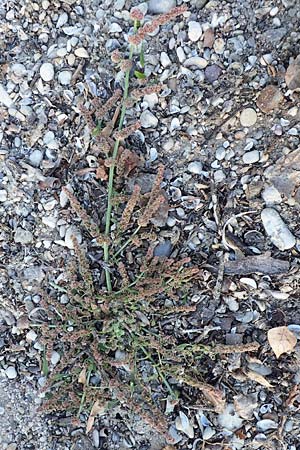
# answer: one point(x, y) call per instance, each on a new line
point(226, 126)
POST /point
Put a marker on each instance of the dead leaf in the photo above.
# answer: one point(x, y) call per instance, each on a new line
point(82, 377)
point(101, 174)
point(245, 405)
point(282, 340)
point(96, 409)
point(254, 376)
point(214, 396)
point(285, 180)
point(269, 98)
point(292, 75)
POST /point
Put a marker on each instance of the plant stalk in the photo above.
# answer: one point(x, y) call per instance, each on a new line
point(111, 177)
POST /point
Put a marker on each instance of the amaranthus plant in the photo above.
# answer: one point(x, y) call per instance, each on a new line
point(109, 332)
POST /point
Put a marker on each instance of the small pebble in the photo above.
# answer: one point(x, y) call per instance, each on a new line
point(164, 59)
point(23, 236)
point(47, 72)
point(195, 167)
point(36, 158)
point(248, 117)
point(277, 230)
point(81, 52)
point(62, 20)
point(70, 232)
point(161, 6)
point(194, 31)
point(266, 424)
point(65, 77)
point(251, 157)
point(271, 196)
point(5, 98)
point(3, 195)
point(212, 73)
point(148, 120)
point(55, 357)
point(219, 46)
point(11, 373)
point(196, 61)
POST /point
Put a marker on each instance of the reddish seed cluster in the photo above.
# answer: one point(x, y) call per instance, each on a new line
point(150, 27)
point(136, 14)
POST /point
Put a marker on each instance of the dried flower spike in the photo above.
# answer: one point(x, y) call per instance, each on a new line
point(136, 14)
point(116, 56)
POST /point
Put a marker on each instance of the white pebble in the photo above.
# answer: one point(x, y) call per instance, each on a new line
point(161, 6)
point(219, 176)
point(11, 373)
point(277, 230)
point(3, 195)
point(219, 46)
point(271, 196)
point(62, 20)
point(5, 98)
point(248, 117)
point(274, 11)
point(114, 28)
point(35, 158)
point(31, 336)
point(65, 77)
point(180, 54)
point(164, 59)
point(70, 232)
point(81, 52)
point(151, 100)
point(195, 167)
point(194, 31)
point(196, 61)
point(148, 120)
point(55, 357)
point(251, 157)
point(47, 72)
point(19, 70)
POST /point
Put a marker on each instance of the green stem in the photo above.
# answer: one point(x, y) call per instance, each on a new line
point(127, 242)
point(111, 178)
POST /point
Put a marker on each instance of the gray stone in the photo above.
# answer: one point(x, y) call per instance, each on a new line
point(161, 6)
point(163, 249)
point(23, 236)
point(271, 196)
point(212, 73)
point(251, 157)
point(277, 230)
point(248, 117)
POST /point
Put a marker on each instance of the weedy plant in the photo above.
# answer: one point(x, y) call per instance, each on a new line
point(112, 345)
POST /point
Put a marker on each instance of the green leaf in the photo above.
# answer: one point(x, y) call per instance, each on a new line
point(97, 130)
point(139, 75)
point(45, 367)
